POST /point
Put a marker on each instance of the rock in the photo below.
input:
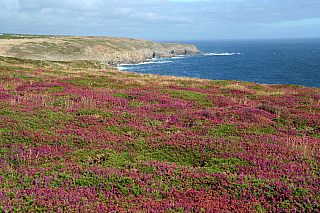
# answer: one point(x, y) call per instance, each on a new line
point(131, 134)
point(98, 159)
point(195, 123)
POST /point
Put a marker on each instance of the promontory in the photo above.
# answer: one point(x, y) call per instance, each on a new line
point(104, 50)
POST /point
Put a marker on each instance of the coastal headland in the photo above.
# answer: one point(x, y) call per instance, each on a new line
point(105, 51)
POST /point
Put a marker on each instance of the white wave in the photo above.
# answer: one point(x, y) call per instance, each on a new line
point(147, 62)
point(127, 66)
point(223, 53)
point(157, 59)
point(121, 68)
point(163, 62)
point(179, 56)
point(155, 62)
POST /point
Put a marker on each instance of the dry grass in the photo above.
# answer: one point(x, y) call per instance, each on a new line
point(303, 145)
point(45, 100)
point(315, 101)
point(266, 90)
point(7, 44)
point(236, 86)
point(12, 83)
point(273, 109)
point(146, 79)
point(274, 92)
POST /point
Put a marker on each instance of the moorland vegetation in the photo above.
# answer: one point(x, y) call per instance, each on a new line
point(74, 138)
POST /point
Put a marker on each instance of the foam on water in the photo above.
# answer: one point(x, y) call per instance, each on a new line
point(119, 67)
point(149, 61)
point(223, 54)
point(180, 56)
point(154, 62)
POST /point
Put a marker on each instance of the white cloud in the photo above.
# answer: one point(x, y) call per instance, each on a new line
point(9, 5)
point(297, 23)
point(46, 10)
point(157, 17)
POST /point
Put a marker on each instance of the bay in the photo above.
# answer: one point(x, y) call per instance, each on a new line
point(269, 61)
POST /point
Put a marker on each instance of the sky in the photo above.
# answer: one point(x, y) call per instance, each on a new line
point(163, 20)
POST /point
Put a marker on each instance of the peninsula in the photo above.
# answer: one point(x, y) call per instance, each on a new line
point(106, 51)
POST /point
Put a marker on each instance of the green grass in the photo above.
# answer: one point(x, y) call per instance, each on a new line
point(224, 130)
point(120, 95)
point(257, 88)
point(22, 36)
point(190, 95)
point(221, 165)
point(83, 112)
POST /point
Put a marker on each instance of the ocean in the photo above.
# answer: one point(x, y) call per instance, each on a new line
point(270, 61)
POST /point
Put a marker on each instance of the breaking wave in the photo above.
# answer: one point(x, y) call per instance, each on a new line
point(149, 61)
point(223, 53)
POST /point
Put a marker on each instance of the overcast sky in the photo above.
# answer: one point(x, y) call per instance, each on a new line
point(163, 20)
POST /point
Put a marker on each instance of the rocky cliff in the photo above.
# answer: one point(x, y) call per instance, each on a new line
point(106, 50)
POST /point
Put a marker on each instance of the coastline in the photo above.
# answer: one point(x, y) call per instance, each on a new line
point(108, 51)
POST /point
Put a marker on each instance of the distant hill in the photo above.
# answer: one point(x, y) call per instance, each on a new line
point(105, 50)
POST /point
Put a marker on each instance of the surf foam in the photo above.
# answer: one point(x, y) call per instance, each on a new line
point(227, 54)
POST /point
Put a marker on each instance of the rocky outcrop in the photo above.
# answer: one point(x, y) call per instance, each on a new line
point(155, 50)
point(106, 50)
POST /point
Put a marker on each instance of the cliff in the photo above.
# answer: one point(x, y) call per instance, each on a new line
point(106, 50)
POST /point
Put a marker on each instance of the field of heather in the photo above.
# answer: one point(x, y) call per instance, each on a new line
point(84, 140)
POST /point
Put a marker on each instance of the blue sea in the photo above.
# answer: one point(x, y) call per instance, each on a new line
point(272, 61)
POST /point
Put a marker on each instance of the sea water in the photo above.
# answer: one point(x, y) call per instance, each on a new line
point(272, 61)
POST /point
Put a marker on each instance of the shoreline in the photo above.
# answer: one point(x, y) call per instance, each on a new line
point(106, 50)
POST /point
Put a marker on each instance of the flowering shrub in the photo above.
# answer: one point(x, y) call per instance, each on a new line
point(109, 141)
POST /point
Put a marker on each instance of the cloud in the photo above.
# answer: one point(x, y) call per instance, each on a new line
point(157, 18)
point(9, 5)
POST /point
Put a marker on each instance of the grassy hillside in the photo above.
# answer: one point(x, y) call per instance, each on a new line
point(105, 51)
point(78, 139)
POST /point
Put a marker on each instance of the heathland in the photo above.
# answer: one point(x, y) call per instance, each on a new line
point(75, 138)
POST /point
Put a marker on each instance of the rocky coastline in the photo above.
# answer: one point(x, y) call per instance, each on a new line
point(107, 51)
